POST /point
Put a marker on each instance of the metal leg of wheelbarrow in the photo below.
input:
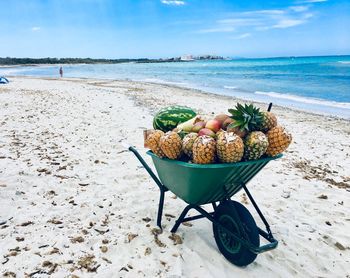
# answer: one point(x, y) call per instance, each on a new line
point(160, 208)
point(267, 235)
point(161, 187)
point(182, 218)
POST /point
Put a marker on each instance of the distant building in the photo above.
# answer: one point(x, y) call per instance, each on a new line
point(200, 57)
point(187, 58)
point(210, 57)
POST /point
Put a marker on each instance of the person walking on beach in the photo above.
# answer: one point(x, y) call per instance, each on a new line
point(61, 72)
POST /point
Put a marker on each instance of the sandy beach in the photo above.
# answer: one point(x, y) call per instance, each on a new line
point(75, 203)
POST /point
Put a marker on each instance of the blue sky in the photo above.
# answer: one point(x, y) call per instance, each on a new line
point(166, 28)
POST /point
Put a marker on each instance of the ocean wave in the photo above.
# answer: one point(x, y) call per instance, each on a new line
point(161, 81)
point(11, 71)
point(231, 87)
point(344, 62)
point(343, 105)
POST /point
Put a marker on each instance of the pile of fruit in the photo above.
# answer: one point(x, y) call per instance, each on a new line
point(246, 134)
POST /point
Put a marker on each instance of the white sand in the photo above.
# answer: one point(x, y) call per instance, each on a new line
point(65, 178)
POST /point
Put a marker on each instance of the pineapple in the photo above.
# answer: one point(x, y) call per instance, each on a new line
point(279, 140)
point(171, 145)
point(249, 119)
point(246, 118)
point(187, 143)
point(255, 145)
point(229, 147)
point(204, 149)
point(152, 140)
point(269, 121)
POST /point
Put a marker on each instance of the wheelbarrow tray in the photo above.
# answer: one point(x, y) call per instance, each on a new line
point(199, 184)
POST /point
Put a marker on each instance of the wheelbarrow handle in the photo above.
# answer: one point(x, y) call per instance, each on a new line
point(148, 169)
point(270, 106)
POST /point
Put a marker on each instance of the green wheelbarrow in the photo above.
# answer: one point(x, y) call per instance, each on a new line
point(235, 231)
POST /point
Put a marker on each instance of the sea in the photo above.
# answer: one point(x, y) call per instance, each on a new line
point(316, 84)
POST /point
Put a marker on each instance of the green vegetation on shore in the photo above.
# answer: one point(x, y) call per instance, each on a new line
point(29, 61)
point(9, 61)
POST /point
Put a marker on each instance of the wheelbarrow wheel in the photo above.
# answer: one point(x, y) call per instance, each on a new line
point(229, 214)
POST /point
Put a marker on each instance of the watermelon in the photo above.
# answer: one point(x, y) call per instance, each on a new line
point(169, 117)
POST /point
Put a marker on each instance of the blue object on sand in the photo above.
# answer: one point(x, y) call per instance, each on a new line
point(3, 80)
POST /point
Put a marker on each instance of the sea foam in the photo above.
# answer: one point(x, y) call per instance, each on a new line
point(231, 87)
point(343, 105)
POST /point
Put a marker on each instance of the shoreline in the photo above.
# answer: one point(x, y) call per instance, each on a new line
point(191, 89)
point(280, 82)
point(202, 91)
point(315, 99)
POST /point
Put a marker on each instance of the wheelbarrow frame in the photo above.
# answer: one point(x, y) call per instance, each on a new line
point(267, 234)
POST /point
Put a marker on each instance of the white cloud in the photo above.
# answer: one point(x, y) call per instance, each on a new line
point(173, 2)
point(287, 23)
point(262, 20)
point(35, 29)
point(312, 1)
point(222, 29)
point(230, 25)
point(308, 15)
point(267, 12)
point(242, 36)
point(239, 21)
point(291, 22)
point(299, 8)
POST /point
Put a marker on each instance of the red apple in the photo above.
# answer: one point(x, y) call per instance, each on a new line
point(226, 123)
point(206, 131)
point(214, 125)
point(198, 126)
point(221, 118)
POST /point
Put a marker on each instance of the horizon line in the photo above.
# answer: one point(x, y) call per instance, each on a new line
point(194, 55)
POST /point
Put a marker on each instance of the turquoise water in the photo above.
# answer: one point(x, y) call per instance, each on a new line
point(319, 84)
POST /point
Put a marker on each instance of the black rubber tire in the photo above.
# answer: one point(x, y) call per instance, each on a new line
point(232, 250)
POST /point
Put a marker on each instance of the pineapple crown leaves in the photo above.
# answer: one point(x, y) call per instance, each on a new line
point(247, 117)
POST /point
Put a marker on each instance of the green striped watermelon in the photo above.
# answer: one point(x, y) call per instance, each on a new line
point(169, 117)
